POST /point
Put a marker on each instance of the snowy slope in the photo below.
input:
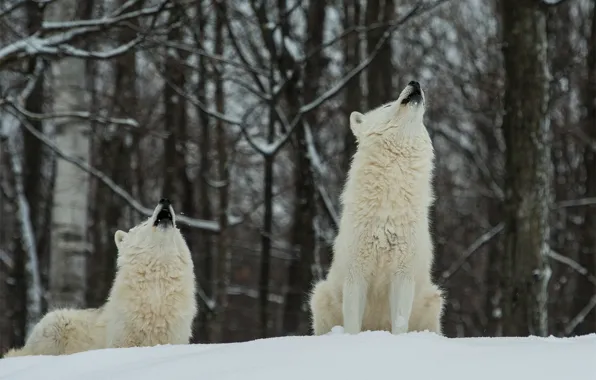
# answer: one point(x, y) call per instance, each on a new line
point(367, 356)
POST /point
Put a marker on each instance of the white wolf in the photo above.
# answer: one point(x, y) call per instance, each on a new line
point(152, 300)
point(380, 277)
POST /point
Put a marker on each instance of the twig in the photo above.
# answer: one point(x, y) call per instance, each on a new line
point(77, 115)
point(580, 316)
point(12, 7)
point(584, 272)
point(576, 203)
point(6, 259)
point(206, 225)
point(483, 239)
point(573, 265)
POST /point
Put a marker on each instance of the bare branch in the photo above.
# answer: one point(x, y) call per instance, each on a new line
point(315, 163)
point(418, 9)
point(12, 7)
point(6, 259)
point(77, 115)
point(546, 4)
point(59, 26)
point(206, 225)
point(580, 316)
point(64, 33)
point(576, 202)
point(483, 239)
point(573, 265)
point(72, 51)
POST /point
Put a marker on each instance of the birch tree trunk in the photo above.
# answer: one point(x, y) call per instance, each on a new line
point(528, 169)
point(69, 245)
point(33, 282)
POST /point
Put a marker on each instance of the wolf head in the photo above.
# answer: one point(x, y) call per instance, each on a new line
point(157, 234)
point(402, 117)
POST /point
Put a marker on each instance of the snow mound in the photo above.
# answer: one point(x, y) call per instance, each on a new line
point(369, 355)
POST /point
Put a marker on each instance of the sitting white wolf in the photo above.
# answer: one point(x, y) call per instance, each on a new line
point(380, 277)
point(152, 300)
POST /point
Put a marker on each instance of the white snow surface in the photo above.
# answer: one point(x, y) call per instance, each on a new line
point(366, 356)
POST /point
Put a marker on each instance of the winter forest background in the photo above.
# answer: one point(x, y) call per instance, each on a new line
point(238, 112)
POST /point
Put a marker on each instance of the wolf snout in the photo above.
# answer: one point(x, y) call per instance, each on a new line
point(163, 215)
point(414, 94)
point(415, 85)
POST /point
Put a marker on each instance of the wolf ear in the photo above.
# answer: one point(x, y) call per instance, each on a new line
point(356, 119)
point(118, 237)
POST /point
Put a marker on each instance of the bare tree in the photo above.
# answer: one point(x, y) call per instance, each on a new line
point(204, 252)
point(526, 129)
point(296, 320)
point(222, 261)
point(352, 52)
point(69, 244)
point(380, 87)
point(587, 258)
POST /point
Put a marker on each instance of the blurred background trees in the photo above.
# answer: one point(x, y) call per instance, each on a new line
point(238, 112)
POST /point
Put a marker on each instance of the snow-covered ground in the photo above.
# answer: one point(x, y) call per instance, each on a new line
point(366, 356)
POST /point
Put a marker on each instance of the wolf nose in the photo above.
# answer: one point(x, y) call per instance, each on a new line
point(165, 202)
point(415, 85)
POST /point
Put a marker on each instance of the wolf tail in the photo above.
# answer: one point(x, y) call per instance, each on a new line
point(14, 352)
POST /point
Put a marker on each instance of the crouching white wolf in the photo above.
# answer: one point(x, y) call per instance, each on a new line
point(152, 300)
point(380, 277)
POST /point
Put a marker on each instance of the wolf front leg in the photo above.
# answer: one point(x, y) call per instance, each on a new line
point(401, 298)
point(354, 302)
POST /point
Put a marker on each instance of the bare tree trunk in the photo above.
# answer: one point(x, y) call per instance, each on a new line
point(32, 147)
point(177, 184)
point(113, 157)
point(222, 262)
point(380, 72)
point(203, 255)
point(528, 169)
point(352, 46)
point(30, 199)
point(587, 256)
point(33, 281)
point(175, 115)
point(69, 245)
point(296, 317)
point(267, 217)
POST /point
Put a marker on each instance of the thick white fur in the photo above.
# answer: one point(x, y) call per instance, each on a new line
point(380, 277)
point(152, 300)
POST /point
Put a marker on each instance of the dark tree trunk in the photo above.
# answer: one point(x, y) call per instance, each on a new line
point(587, 256)
point(352, 46)
point(203, 255)
point(379, 73)
point(32, 174)
point(267, 224)
point(296, 317)
point(111, 157)
point(525, 272)
point(174, 114)
point(222, 262)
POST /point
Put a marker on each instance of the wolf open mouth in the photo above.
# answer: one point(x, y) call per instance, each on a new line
point(164, 217)
point(415, 96)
